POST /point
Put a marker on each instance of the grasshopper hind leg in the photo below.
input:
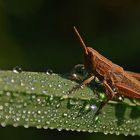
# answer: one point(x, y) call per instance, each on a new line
point(110, 93)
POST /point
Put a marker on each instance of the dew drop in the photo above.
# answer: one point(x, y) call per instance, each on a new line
point(45, 127)
point(29, 112)
point(39, 127)
point(23, 116)
point(38, 121)
point(25, 104)
point(135, 128)
point(24, 111)
point(8, 93)
point(105, 133)
point(97, 80)
point(50, 85)
point(1, 107)
point(74, 75)
point(87, 107)
point(58, 105)
point(30, 76)
point(39, 112)
point(15, 125)
point(17, 119)
point(59, 129)
point(38, 100)
point(101, 96)
point(45, 112)
point(59, 86)
point(93, 107)
point(22, 84)
point(44, 91)
point(17, 69)
point(27, 119)
point(26, 126)
point(6, 104)
point(3, 124)
point(72, 102)
point(12, 80)
point(49, 71)
point(33, 96)
point(120, 98)
point(7, 117)
point(66, 122)
point(32, 88)
point(66, 84)
point(47, 122)
point(118, 133)
point(96, 118)
point(51, 98)
point(64, 97)
point(65, 114)
point(90, 131)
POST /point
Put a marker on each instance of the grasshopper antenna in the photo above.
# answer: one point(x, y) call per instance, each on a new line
point(81, 40)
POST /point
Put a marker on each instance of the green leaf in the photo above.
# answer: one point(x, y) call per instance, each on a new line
point(41, 100)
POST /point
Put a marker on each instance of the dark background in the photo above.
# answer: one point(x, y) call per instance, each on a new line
point(38, 35)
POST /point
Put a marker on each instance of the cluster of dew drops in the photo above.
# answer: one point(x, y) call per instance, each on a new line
point(18, 70)
point(87, 107)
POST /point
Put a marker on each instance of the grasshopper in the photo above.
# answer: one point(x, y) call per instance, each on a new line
point(115, 79)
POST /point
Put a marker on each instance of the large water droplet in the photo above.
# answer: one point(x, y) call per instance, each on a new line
point(17, 69)
point(49, 71)
point(3, 124)
point(93, 107)
point(26, 126)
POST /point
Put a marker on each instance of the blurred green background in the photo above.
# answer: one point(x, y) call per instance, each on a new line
point(38, 35)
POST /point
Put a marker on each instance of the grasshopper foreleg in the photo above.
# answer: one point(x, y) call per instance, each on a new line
point(85, 82)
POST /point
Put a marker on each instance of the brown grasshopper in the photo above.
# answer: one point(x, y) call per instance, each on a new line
point(115, 80)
